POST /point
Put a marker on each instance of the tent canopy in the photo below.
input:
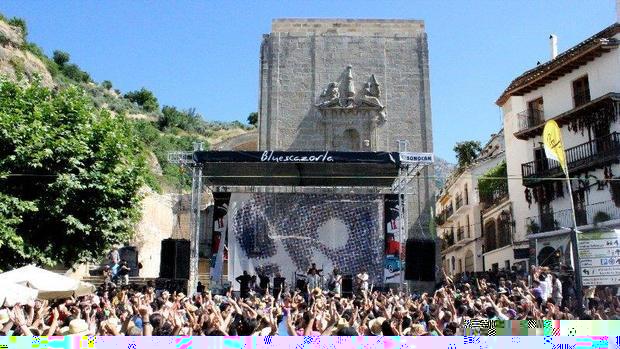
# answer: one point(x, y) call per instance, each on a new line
point(12, 294)
point(299, 168)
point(48, 284)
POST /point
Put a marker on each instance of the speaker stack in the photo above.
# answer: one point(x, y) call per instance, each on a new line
point(420, 260)
point(174, 259)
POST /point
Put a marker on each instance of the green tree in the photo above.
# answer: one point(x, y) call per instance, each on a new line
point(144, 98)
point(253, 118)
point(61, 57)
point(73, 72)
point(107, 84)
point(467, 152)
point(69, 177)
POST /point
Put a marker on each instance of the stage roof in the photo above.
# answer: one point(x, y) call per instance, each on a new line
point(298, 168)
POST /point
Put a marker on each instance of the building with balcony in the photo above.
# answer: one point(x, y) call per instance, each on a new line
point(458, 219)
point(580, 90)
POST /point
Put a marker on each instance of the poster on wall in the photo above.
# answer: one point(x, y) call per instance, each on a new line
point(599, 257)
point(273, 233)
point(219, 251)
point(393, 262)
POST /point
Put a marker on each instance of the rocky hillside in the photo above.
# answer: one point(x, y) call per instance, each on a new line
point(161, 130)
point(443, 169)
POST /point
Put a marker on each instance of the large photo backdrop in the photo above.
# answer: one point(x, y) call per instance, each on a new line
point(287, 232)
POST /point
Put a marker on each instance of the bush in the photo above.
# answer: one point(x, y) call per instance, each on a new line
point(107, 84)
point(20, 23)
point(61, 57)
point(144, 98)
point(73, 72)
point(600, 217)
point(253, 118)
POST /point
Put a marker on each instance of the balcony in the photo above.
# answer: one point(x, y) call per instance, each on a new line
point(447, 241)
point(460, 234)
point(531, 124)
point(590, 214)
point(530, 118)
point(494, 198)
point(588, 155)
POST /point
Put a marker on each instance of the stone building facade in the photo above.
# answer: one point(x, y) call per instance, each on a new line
point(349, 85)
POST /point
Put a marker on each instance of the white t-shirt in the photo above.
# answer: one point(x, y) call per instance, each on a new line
point(557, 290)
point(364, 281)
point(544, 287)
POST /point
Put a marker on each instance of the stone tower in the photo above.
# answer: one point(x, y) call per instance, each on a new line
point(348, 84)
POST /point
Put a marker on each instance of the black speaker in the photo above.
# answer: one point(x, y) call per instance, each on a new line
point(130, 254)
point(420, 260)
point(347, 286)
point(174, 259)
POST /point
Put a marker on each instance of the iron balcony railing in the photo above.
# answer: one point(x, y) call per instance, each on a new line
point(460, 234)
point(586, 155)
point(458, 201)
point(586, 215)
point(530, 118)
point(581, 98)
point(489, 200)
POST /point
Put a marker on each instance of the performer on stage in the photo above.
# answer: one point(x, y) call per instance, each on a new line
point(335, 282)
point(244, 283)
point(278, 284)
point(264, 283)
point(362, 280)
point(316, 271)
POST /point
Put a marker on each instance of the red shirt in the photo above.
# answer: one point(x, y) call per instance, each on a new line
point(393, 248)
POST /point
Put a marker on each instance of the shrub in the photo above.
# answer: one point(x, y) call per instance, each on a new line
point(144, 98)
point(107, 84)
point(253, 118)
point(21, 24)
point(73, 72)
point(61, 57)
point(600, 217)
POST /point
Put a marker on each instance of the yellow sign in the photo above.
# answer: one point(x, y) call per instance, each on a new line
point(554, 147)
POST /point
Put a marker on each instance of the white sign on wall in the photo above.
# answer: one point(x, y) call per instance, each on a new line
point(599, 256)
point(417, 158)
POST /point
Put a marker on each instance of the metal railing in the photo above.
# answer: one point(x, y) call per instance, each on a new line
point(459, 201)
point(460, 234)
point(530, 118)
point(489, 200)
point(590, 214)
point(584, 155)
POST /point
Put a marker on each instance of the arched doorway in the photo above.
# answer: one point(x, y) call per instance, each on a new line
point(469, 261)
point(547, 257)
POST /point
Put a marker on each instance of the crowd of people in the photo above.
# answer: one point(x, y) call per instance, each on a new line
point(129, 310)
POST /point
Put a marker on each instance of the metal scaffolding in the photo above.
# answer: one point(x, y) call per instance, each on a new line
point(408, 170)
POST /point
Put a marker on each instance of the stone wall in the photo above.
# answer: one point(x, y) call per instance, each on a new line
point(301, 57)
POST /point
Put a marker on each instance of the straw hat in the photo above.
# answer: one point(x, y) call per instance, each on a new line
point(77, 327)
point(4, 316)
point(375, 326)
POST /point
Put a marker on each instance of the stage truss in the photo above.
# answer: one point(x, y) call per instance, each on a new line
point(408, 170)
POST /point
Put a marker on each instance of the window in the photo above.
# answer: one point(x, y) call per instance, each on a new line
point(507, 265)
point(535, 112)
point(581, 91)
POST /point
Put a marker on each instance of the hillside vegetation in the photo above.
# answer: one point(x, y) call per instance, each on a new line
point(160, 129)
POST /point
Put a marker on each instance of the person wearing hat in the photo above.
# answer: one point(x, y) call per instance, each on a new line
point(77, 327)
point(375, 326)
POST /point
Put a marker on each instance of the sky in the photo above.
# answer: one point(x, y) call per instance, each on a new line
point(205, 54)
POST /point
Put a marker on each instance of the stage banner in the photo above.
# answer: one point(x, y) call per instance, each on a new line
point(220, 230)
point(285, 233)
point(393, 262)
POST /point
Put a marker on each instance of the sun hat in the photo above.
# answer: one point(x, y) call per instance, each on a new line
point(375, 326)
point(77, 327)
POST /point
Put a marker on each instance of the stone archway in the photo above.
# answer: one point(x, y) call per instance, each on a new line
point(547, 257)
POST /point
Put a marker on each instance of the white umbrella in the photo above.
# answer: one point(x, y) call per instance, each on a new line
point(13, 293)
point(49, 284)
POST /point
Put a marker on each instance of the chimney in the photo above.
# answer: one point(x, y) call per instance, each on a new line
point(553, 44)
